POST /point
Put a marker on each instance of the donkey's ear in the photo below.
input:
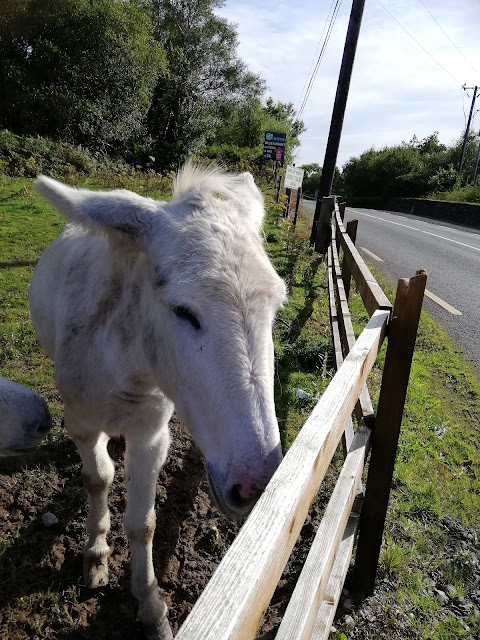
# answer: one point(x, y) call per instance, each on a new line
point(120, 212)
point(251, 199)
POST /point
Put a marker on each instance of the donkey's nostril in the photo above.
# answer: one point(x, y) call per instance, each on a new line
point(241, 498)
point(43, 428)
point(40, 427)
point(236, 497)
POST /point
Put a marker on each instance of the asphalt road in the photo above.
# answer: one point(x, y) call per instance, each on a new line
point(399, 244)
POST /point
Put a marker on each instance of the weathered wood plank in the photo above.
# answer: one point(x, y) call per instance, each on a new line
point(363, 408)
point(299, 618)
point(369, 289)
point(331, 598)
point(337, 344)
point(352, 226)
point(396, 372)
point(232, 605)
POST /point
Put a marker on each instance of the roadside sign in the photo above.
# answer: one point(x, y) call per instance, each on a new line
point(293, 177)
point(274, 146)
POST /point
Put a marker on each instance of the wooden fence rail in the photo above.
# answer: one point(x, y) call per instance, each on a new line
point(234, 601)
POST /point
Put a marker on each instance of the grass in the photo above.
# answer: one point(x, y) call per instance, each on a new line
point(304, 355)
point(438, 463)
point(436, 489)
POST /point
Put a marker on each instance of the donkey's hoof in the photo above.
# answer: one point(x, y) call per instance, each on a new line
point(95, 572)
point(161, 632)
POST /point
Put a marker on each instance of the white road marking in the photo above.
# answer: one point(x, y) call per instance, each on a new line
point(429, 233)
point(371, 254)
point(442, 303)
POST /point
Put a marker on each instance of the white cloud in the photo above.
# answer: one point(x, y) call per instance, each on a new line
point(397, 90)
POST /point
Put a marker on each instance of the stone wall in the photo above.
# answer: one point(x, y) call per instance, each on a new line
point(461, 213)
point(455, 212)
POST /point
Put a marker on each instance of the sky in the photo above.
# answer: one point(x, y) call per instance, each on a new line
point(397, 90)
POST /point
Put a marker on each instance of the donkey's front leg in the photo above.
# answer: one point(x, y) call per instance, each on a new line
point(97, 472)
point(143, 460)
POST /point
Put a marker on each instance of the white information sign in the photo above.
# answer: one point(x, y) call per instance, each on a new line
point(293, 177)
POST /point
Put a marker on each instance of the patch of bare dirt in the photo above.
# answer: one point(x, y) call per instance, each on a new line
point(41, 586)
point(41, 590)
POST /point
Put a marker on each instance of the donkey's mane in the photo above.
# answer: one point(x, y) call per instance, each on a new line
point(199, 179)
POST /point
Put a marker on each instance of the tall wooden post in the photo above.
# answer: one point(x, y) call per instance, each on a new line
point(467, 129)
point(336, 123)
point(324, 228)
point(401, 343)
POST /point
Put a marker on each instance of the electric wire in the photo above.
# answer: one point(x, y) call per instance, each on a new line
point(446, 34)
point(314, 56)
point(322, 52)
point(419, 44)
point(320, 57)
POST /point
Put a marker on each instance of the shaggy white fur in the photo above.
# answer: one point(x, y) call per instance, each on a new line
point(145, 306)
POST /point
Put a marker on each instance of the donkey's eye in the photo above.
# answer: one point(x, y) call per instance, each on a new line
point(185, 314)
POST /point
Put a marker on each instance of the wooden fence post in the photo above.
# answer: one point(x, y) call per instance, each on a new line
point(324, 230)
point(401, 343)
point(346, 271)
point(341, 208)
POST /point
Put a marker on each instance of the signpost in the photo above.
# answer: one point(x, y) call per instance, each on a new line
point(293, 177)
point(274, 146)
point(293, 180)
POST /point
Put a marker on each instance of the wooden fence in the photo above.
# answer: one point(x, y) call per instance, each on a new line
point(234, 601)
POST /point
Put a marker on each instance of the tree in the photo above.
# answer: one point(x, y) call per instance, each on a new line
point(78, 70)
point(412, 169)
point(282, 115)
point(311, 182)
point(311, 168)
point(205, 77)
point(247, 121)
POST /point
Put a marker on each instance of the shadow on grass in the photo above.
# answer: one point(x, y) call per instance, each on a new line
point(311, 294)
point(26, 263)
point(305, 355)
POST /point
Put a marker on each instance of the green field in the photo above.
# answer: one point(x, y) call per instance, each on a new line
point(436, 491)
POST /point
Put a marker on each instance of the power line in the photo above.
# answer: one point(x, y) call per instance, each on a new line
point(320, 57)
point(314, 56)
point(322, 51)
point(420, 45)
point(446, 34)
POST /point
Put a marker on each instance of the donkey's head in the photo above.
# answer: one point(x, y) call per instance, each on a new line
point(24, 419)
point(209, 299)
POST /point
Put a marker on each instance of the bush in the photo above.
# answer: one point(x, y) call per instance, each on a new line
point(468, 193)
point(28, 156)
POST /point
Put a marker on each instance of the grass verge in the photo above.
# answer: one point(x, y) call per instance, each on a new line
point(428, 583)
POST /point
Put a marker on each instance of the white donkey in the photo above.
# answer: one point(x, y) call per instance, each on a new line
point(146, 305)
point(24, 419)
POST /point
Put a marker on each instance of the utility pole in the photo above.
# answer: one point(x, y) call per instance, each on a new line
point(336, 124)
point(477, 160)
point(467, 130)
